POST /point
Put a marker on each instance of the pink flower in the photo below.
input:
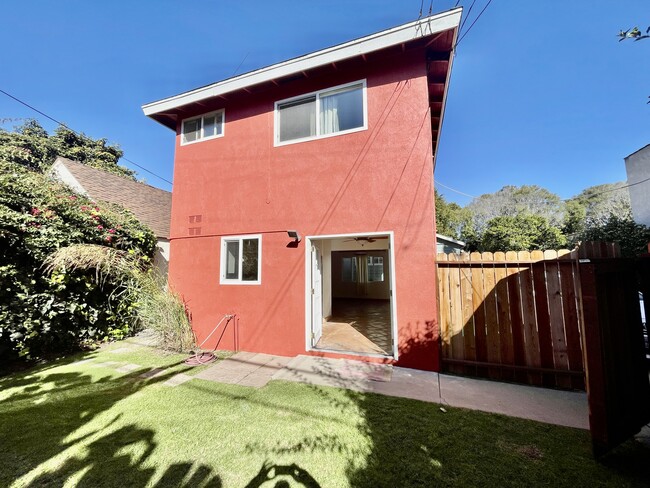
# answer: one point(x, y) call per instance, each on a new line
point(35, 211)
point(109, 238)
point(112, 231)
point(100, 227)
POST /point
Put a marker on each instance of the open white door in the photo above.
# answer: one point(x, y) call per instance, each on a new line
point(316, 295)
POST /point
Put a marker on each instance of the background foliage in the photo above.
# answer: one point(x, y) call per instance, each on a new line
point(42, 313)
point(530, 218)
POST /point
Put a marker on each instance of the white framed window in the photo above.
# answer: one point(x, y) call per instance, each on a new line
point(334, 111)
point(375, 268)
point(207, 126)
point(241, 260)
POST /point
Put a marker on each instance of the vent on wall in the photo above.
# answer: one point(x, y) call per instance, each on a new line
point(195, 231)
point(196, 219)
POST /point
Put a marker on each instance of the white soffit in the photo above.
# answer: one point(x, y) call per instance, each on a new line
point(423, 27)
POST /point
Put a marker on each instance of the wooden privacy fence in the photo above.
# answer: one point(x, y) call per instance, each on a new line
point(512, 316)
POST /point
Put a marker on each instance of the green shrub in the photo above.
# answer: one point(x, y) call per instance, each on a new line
point(41, 313)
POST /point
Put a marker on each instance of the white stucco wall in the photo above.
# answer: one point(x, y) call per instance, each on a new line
point(161, 256)
point(637, 166)
point(59, 172)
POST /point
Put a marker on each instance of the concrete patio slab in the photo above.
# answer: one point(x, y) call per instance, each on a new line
point(152, 373)
point(178, 379)
point(246, 369)
point(557, 407)
point(127, 368)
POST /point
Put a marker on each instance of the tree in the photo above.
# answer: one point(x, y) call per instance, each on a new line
point(43, 314)
point(30, 145)
point(521, 232)
point(451, 219)
point(632, 237)
point(593, 206)
point(516, 200)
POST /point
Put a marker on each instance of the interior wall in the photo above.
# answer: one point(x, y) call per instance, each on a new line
point(372, 290)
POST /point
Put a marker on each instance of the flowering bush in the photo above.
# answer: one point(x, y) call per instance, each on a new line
point(41, 313)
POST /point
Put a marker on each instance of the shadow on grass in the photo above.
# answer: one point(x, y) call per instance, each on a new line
point(47, 424)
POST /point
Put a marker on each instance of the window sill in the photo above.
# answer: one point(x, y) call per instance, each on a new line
point(315, 138)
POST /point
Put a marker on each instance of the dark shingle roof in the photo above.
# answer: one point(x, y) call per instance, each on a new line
point(150, 205)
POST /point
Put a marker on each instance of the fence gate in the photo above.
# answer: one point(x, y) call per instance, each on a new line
point(617, 371)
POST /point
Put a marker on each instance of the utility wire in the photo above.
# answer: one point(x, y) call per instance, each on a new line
point(457, 2)
point(592, 195)
point(469, 11)
point(454, 190)
point(239, 66)
point(77, 133)
point(475, 20)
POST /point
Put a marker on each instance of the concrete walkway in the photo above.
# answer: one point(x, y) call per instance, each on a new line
point(544, 405)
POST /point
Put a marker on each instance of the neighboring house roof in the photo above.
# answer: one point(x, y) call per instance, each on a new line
point(440, 237)
point(152, 206)
point(422, 32)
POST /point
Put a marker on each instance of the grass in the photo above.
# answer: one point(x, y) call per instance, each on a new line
point(70, 424)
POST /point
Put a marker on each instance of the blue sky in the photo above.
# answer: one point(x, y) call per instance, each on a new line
point(541, 93)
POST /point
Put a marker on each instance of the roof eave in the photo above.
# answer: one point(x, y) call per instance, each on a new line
point(420, 28)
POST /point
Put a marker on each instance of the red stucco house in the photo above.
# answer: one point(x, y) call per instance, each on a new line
point(303, 199)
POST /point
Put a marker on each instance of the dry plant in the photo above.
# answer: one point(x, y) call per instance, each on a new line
point(157, 308)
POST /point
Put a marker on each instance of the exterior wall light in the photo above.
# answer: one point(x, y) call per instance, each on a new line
point(293, 234)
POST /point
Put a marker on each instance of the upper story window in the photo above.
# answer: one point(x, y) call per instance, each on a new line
point(204, 127)
point(241, 257)
point(325, 113)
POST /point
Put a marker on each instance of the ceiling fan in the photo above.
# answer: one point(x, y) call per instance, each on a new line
point(366, 239)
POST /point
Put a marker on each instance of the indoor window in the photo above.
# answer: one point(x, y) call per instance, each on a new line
point(322, 114)
point(206, 126)
point(349, 270)
point(241, 259)
point(375, 268)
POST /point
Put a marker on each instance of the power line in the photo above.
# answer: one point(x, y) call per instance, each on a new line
point(454, 190)
point(457, 2)
point(77, 133)
point(469, 11)
point(610, 190)
point(475, 20)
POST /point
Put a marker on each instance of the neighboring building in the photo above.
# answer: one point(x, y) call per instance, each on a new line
point(303, 199)
point(448, 245)
point(637, 166)
point(152, 206)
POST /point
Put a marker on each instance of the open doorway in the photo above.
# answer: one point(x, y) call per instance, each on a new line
point(350, 294)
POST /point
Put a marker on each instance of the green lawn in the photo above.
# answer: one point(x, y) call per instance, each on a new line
point(70, 424)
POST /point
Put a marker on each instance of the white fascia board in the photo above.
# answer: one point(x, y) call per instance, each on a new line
point(423, 27)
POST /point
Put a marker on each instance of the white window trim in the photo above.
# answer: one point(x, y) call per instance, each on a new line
point(222, 268)
point(201, 117)
point(318, 94)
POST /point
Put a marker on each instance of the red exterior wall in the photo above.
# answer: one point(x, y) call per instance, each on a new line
point(379, 179)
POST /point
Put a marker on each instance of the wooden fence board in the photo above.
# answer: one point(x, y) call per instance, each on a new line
point(491, 317)
point(556, 314)
point(478, 304)
point(469, 352)
point(456, 315)
point(568, 277)
point(516, 319)
point(503, 317)
point(512, 316)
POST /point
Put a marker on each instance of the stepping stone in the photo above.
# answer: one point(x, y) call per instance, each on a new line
point(153, 373)
point(121, 350)
point(178, 379)
point(128, 368)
